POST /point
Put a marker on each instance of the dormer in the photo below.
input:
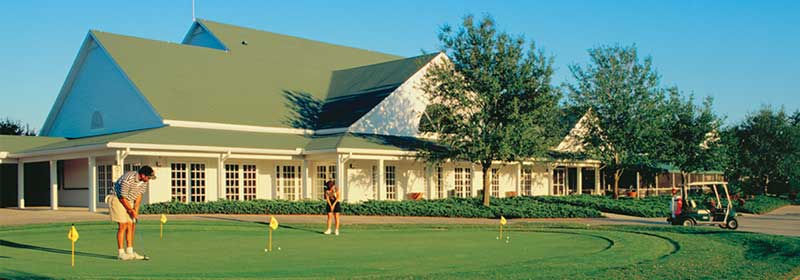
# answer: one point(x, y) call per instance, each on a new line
point(200, 36)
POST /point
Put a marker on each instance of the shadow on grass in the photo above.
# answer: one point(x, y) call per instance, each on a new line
point(262, 223)
point(16, 274)
point(6, 243)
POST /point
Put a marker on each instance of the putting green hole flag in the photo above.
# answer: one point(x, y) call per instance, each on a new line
point(503, 220)
point(161, 226)
point(73, 234)
point(273, 223)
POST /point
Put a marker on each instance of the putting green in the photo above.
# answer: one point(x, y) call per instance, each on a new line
point(226, 249)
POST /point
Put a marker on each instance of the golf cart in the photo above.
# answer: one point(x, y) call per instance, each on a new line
point(686, 212)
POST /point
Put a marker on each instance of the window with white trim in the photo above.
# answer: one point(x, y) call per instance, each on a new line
point(178, 182)
point(463, 181)
point(232, 182)
point(324, 173)
point(287, 182)
point(495, 182)
point(132, 167)
point(249, 181)
point(104, 182)
point(197, 180)
point(391, 182)
point(527, 181)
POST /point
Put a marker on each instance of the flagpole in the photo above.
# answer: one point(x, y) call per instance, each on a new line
point(73, 253)
point(270, 239)
point(501, 231)
point(161, 232)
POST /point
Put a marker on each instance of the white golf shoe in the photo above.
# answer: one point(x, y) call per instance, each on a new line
point(327, 232)
point(137, 257)
point(336, 232)
point(125, 257)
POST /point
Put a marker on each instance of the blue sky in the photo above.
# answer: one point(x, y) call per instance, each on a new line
point(744, 54)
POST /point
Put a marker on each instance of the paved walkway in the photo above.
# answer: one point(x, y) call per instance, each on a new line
point(783, 221)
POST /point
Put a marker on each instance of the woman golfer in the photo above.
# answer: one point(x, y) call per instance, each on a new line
point(332, 196)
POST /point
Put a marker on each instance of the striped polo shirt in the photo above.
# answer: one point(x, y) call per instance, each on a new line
point(129, 186)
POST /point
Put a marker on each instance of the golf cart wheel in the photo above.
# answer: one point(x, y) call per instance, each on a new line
point(732, 223)
point(688, 222)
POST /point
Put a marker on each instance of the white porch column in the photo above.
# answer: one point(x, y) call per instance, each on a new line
point(341, 173)
point(381, 180)
point(429, 181)
point(550, 180)
point(579, 179)
point(220, 181)
point(54, 185)
point(306, 179)
point(519, 179)
point(597, 180)
point(638, 183)
point(92, 184)
point(21, 184)
point(475, 180)
point(656, 182)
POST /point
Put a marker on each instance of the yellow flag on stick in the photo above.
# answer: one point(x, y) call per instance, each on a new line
point(503, 220)
point(73, 234)
point(273, 223)
point(161, 227)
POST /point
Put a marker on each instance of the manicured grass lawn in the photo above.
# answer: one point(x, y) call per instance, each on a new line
point(230, 249)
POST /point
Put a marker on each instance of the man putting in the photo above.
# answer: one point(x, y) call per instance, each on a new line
point(123, 206)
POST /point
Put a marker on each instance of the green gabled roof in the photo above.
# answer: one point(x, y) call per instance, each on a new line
point(14, 143)
point(354, 92)
point(324, 142)
point(365, 141)
point(245, 85)
point(382, 142)
point(218, 138)
point(189, 137)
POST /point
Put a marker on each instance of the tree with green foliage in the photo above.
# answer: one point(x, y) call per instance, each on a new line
point(492, 100)
point(765, 151)
point(12, 127)
point(623, 97)
point(693, 135)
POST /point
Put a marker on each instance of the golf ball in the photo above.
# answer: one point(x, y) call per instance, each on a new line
point(497, 237)
point(506, 241)
point(265, 250)
point(279, 248)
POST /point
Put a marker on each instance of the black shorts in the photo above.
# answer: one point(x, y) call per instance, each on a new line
point(336, 208)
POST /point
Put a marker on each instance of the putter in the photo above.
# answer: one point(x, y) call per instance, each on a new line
point(141, 237)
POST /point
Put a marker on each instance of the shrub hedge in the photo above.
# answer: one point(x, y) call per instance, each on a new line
point(514, 207)
point(762, 204)
point(653, 206)
point(658, 206)
point(575, 206)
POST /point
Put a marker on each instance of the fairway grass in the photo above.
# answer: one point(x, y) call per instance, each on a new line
point(233, 249)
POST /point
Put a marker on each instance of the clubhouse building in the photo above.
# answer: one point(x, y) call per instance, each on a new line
point(239, 114)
